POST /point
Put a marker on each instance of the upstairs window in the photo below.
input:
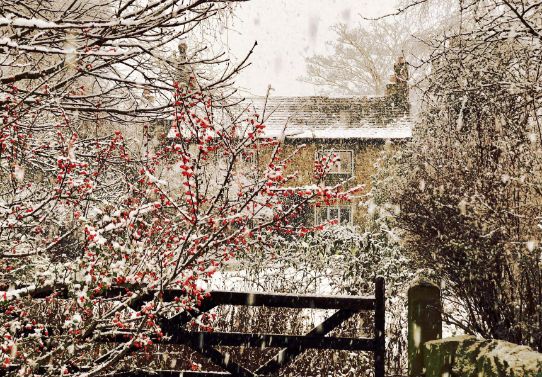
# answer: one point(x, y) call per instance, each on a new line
point(343, 161)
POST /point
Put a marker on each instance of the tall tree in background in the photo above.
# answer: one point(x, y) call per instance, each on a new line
point(361, 57)
point(470, 188)
point(359, 60)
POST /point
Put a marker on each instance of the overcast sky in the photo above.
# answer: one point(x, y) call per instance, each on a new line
point(287, 32)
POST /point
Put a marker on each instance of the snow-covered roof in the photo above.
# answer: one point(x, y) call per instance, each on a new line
point(343, 133)
point(375, 117)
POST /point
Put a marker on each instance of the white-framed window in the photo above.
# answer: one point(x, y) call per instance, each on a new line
point(342, 213)
point(343, 161)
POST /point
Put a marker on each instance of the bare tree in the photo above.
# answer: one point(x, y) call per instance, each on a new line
point(99, 57)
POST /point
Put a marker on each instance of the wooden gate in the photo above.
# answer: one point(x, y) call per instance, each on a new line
point(291, 345)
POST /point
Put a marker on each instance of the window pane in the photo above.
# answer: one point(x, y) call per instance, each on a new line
point(325, 157)
point(343, 161)
point(334, 156)
point(321, 215)
point(340, 214)
point(345, 215)
point(346, 162)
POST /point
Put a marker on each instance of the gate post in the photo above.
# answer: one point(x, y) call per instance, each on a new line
point(424, 322)
point(380, 327)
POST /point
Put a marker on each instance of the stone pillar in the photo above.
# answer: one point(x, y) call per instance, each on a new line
point(424, 322)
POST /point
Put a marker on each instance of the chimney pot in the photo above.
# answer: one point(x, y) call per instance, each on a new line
point(182, 51)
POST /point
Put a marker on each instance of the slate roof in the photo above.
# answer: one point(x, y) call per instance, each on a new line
point(378, 117)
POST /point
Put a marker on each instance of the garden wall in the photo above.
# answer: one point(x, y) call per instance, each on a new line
point(460, 356)
point(464, 356)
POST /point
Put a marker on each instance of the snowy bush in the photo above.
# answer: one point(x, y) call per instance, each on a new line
point(469, 185)
point(338, 260)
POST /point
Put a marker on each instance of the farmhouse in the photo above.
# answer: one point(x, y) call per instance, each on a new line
point(354, 129)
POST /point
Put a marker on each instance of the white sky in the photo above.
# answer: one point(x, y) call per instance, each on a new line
point(287, 32)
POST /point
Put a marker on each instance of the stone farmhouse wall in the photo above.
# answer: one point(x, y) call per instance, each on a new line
point(365, 154)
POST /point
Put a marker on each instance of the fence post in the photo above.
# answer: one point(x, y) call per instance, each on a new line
point(424, 322)
point(380, 327)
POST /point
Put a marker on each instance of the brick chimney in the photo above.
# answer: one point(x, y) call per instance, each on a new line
point(397, 89)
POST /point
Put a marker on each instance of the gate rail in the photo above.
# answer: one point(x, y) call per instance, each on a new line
point(292, 345)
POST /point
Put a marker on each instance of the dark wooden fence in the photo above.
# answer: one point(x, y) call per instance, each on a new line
point(291, 345)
